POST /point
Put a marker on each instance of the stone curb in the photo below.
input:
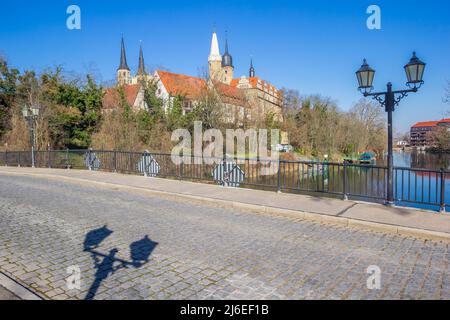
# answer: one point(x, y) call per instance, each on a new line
point(17, 289)
point(260, 209)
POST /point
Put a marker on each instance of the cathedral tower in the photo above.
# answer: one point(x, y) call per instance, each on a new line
point(227, 65)
point(123, 72)
point(215, 60)
point(251, 72)
point(141, 69)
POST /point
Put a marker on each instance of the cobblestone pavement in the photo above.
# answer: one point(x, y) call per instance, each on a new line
point(133, 246)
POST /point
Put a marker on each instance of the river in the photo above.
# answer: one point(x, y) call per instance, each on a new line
point(417, 179)
point(419, 185)
point(421, 160)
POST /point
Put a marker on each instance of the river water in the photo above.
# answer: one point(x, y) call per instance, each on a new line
point(420, 185)
point(420, 160)
point(417, 179)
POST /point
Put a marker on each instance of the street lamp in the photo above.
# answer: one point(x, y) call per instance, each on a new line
point(365, 76)
point(414, 71)
point(389, 99)
point(31, 114)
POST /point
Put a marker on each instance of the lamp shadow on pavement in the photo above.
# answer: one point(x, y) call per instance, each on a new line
point(107, 264)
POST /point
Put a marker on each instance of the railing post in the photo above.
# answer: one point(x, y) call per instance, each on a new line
point(115, 161)
point(145, 163)
point(49, 160)
point(6, 158)
point(181, 169)
point(67, 159)
point(224, 169)
point(344, 191)
point(442, 200)
point(225, 179)
point(279, 177)
point(18, 162)
point(89, 156)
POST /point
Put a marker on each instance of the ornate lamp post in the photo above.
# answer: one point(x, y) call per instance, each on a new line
point(31, 114)
point(389, 99)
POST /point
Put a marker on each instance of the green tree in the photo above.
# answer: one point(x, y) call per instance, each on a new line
point(175, 118)
point(80, 114)
point(154, 103)
point(144, 124)
point(8, 88)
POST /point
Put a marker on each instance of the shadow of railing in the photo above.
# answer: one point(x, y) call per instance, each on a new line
point(106, 264)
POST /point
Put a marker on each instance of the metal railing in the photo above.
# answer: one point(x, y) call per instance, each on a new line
point(417, 187)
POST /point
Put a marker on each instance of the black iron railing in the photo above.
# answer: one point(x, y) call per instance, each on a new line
point(419, 187)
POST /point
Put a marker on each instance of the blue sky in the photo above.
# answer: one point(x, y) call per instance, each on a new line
point(311, 46)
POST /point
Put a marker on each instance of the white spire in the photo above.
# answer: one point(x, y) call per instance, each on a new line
point(215, 53)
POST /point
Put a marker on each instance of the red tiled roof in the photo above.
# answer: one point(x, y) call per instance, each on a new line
point(425, 124)
point(111, 98)
point(235, 82)
point(131, 92)
point(430, 123)
point(229, 94)
point(193, 87)
point(180, 84)
point(254, 82)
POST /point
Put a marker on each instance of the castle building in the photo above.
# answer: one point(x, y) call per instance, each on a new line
point(244, 97)
point(260, 95)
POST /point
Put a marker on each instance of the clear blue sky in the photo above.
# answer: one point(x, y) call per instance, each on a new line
point(312, 46)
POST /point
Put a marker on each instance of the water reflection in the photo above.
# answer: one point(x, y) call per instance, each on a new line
point(417, 179)
point(418, 188)
point(420, 160)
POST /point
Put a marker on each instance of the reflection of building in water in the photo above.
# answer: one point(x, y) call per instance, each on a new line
point(419, 160)
point(432, 161)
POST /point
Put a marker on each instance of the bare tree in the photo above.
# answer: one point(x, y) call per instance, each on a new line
point(209, 107)
point(440, 138)
point(369, 114)
point(292, 102)
point(369, 118)
point(447, 93)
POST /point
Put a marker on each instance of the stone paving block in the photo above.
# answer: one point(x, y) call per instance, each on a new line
point(201, 252)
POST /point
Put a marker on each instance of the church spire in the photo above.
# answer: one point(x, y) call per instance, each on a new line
point(252, 70)
point(141, 69)
point(214, 53)
point(227, 59)
point(123, 58)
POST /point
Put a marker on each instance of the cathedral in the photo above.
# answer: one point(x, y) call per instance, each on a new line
point(241, 96)
point(124, 73)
